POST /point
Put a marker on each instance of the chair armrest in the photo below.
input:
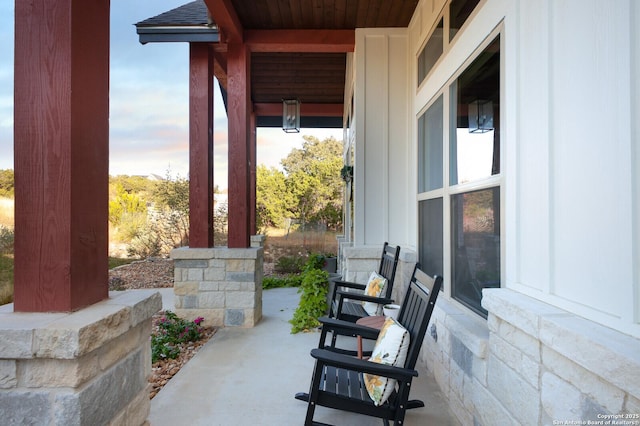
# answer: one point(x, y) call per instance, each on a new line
point(348, 328)
point(349, 284)
point(365, 298)
point(327, 357)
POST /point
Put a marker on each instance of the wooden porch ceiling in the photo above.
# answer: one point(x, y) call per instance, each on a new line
point(298, 47)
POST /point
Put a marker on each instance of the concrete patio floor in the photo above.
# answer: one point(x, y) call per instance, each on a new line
point(250, 376)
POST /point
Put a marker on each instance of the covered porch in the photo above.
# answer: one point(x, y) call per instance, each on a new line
point(248, 376)
point(534, 357)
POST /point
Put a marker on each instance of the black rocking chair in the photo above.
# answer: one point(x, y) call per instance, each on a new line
point(338, 380)
point(352, 309)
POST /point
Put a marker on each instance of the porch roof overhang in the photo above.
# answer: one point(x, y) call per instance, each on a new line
point(189, 34)
point(298, 50)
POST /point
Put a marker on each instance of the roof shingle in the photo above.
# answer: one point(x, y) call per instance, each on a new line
point(190, 14)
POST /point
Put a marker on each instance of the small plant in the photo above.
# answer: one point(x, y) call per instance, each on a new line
point(173, 330)
point(279, 282)
point(290, 264)
point(315, 261)
point(313, 301)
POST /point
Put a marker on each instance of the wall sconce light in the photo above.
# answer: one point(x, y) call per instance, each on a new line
point(291, 115)
point(347, 173)
point(480, 116)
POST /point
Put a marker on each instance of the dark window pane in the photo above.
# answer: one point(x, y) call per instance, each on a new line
point(459, 11)
point(475, 245)
point(431, 244)
point(430, 142)
point(475, 119)
point(431, 52)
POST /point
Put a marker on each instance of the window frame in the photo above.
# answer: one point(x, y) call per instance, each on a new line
point(448, 191)
point(447, 41)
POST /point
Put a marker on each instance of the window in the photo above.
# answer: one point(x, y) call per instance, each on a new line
point(474, 147)
point(431, 236)
point(451, 22)
point(459, 199)
point(430, 142)
point(431, 51)
point(475, 245)
point(459, 11)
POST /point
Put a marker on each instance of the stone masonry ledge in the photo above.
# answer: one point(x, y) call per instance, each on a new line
point(374, 252)
point(363, 252)
point(467, 328)
point(186, 253)
point(70, 335)
point(603, 351)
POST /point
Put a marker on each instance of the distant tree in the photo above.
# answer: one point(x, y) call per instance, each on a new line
point(7, 183)
point(123, 204)
point(220, 224)
point(304, 188)
point(272, 197)
point(140, 185)
point(313, 179)
point(173, 194)
point(171, 214)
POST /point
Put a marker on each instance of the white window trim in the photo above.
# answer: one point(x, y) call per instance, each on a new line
point(448, 190)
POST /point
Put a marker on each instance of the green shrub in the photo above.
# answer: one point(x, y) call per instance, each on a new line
point(315, 261)
point(146, 244)
point(6, 279)
point(7, 237)
point(313, 301)
point(290, 264)
point(279, 282)
point(6, 264)
point(173, 330)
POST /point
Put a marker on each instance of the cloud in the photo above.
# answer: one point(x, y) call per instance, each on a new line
point(6, 84)
point(149, 101)
point(273, 144)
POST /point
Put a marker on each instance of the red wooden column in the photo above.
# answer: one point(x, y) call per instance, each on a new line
point(200, 146)
point(238, 93)
point(252, 181)
point(61, 154)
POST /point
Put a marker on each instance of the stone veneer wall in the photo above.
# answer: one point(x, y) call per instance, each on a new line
point(89, 367)
point(359, 262)
point(222, 285)
point(530, 363)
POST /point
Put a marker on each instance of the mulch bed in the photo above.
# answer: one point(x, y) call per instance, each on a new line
point(157, 273)
point(162, 371)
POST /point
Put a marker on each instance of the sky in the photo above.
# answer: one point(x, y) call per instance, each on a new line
point(149, 95)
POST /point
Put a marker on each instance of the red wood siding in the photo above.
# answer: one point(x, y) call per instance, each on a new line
point(238, 82)
point(61, 134)
point(200, 146)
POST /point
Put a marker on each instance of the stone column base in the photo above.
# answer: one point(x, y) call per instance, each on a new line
point(88, 367)
point(222, 285)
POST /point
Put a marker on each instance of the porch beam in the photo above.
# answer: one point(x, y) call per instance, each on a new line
point(200, 146)
point(238, 113)
point(220, 67)
point(306, 110)
point(312, 41)
point(61, 154)
point(226, 18)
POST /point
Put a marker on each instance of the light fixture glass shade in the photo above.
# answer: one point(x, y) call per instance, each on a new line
point(291, 115)
point(480, 116)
